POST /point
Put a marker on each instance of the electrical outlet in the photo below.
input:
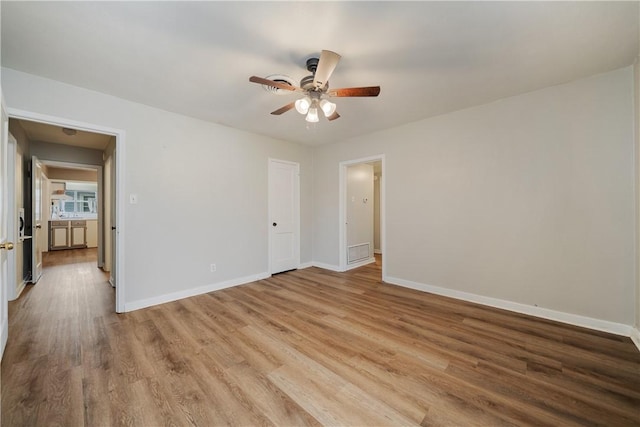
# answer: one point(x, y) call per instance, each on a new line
point(213, 268)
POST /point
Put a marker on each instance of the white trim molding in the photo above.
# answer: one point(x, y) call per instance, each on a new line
point(4, 335)
point(19, 289)
point(337, 268)
point(329, 267)
point(359, 264)
point(559, 316)
point(635, 337)
point(305, 265)
point(174, 296)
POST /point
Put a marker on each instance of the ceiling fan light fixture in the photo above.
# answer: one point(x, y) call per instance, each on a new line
point(313, 88)
point(312, 116)
point(328, 108)
point(303, 104)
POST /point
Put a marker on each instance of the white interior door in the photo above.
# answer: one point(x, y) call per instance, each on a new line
point(37, 221)
point(4, 244)
point(284, 215)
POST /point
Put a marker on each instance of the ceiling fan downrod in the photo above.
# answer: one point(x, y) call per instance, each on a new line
point(312, 64)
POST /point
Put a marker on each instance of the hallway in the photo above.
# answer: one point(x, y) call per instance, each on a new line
point(50, 326)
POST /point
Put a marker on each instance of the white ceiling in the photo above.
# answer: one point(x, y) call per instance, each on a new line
point(50, 133)
point(430, 58)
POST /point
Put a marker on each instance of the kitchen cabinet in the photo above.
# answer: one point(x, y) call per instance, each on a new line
point(92, 233)
point(67, 234)
point(58, 235)
point(78, 234)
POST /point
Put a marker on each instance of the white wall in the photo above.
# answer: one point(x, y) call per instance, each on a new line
point(528, 199)
point(66, 153)
point(64, 174)
point(202, 188)
point(360, 206)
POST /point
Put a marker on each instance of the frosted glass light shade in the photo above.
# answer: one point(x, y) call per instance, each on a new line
point(312, 116)
point(303, 104)
point(328, 108)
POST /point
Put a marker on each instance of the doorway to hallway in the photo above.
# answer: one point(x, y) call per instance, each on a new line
point(362, 212)
point(69, 149)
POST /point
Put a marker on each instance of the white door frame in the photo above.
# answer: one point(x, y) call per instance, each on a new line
point(4, 302)
point(119, 135)
point(342, 212)
point(98, 169)
point(12, 219)
point(296, 213)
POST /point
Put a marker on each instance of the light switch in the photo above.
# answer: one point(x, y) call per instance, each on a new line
point(133, 199)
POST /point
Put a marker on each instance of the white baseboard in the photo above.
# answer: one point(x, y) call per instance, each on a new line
point(305, 265)
point(559, 316)
point(21, 287)
point(174, 296)
point(327, 266)
point(377, 251)
point(635, 337)
point(19, 290)
point(337, 268)
point(360, 264)
point(4, 334)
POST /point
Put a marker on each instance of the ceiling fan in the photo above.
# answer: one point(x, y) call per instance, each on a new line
point(315, 88)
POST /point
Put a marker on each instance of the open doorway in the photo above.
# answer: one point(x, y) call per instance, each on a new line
point(362, 229)
point(63, 199)
point(74, 216)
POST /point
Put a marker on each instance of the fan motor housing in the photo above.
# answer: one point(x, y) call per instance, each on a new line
point(307, 83)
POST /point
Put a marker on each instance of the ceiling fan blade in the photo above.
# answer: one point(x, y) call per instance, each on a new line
point(355, 91)
point(284, 109)
point(267, 82)
point(326, 65)
point(334, 116)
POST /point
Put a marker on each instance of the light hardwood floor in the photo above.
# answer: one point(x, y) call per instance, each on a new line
point(308, 347)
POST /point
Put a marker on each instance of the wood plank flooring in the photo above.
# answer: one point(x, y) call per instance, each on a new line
point(308, 347)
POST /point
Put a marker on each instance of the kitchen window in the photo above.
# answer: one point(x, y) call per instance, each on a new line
point(80, 202)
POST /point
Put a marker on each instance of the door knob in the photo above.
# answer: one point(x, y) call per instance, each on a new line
point(7, 246)
point(38, 226)
point(275, 223)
